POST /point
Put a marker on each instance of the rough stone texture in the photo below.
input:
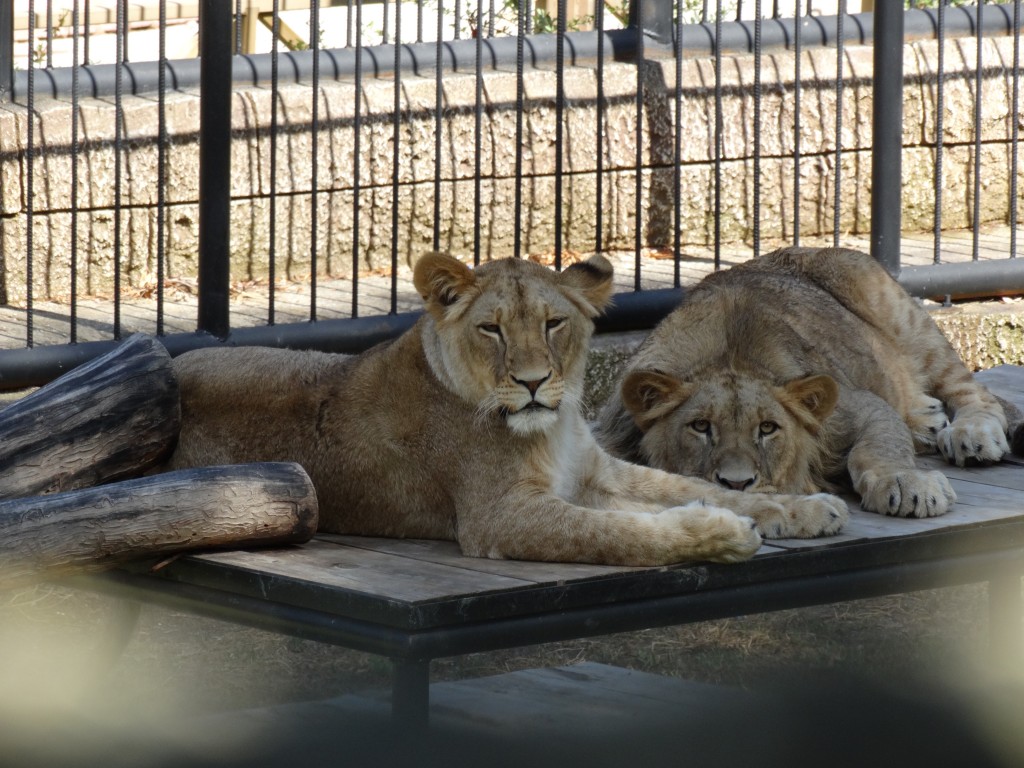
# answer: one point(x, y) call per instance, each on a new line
point(271, 183)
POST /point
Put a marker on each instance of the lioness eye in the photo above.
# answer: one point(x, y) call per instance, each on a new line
point(555, 323)
point(767, 427)
point(491, 329)
point(701, 425)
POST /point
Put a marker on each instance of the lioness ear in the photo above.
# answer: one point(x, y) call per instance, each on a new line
point(441, 279)
point(811, 399)
point(593, 280)
point(651, 395)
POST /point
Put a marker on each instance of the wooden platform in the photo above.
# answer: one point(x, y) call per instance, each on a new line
point(414, 600)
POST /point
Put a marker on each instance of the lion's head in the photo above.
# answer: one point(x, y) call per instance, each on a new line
point(734, 429)
point(511, 337)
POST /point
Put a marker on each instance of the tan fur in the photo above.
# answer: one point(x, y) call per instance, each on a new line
point(795, 370)
point(467, 427)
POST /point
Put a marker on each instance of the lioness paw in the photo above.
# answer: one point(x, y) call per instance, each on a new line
point(926, 420)
point(803, 517)
point(911, 493)
point(712, 533)
point(976, 438)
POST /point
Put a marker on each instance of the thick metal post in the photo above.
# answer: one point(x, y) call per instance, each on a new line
point(887, 128)
point(6, 51)
point(410, 693)
point(653, 18)
point(214, 167)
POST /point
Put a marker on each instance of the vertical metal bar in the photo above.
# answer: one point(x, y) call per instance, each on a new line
point(718, 135)
point(357, 129)
point(517, 234)
point(677, 158)
point(837, 177)
point(49, 35)
point(215, 167)
point(458, 19)
point(637, 7)
point(238, 27)
point(438, 124)
point(1015, 129)
point(87, 32)
point(419, 21)
point(314, 182)
point(562, 7)
point(161, 168)
point(30, 172)
point(478, 118)
point(396, 157)
point(978, 83)
point(599, 109)
point(120, 33)
point(887, 128)
point(410, 694)
point(6, 51)
point(757, 127)
point(798, 25)
point(275, 53)
point(940, 109)
point(75, 105)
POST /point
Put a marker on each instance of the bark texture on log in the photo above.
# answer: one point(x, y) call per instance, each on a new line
point(111, 418)
point(209, 507)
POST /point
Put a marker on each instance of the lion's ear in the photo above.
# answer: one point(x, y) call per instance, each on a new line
point(441, 279)
point(652, 395)
point(811, 399)
point(592, 279)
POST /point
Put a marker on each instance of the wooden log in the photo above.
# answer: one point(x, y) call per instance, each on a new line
point(210, 507)
point(111, 418)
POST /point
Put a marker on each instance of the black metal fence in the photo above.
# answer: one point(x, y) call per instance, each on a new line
point(728, 47)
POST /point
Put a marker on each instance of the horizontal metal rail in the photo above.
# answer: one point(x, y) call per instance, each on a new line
point(35, 366)
point(540, 51)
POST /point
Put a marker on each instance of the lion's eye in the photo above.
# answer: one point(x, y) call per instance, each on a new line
point(554, 323)
point(768, 427)
point(490, 329)
point(701, 425)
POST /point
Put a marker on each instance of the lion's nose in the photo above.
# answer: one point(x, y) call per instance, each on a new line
point(532, 385)
point(740, 483)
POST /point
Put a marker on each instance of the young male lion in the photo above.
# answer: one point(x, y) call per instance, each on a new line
point(468, 427)
point(796, 369)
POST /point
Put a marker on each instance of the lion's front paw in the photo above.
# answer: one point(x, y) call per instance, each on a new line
point(711, 533)
point(926, 420)
point(803, 517)
point(975, 438)
point(910, 493)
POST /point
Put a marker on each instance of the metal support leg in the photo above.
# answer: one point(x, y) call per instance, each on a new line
point(1006, 618)
point(887, 127)
point(410, 693)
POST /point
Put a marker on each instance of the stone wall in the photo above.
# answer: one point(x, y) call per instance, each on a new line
point(336, 164)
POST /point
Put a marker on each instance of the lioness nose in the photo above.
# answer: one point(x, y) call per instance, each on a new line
point(532, 385)
point(735, 483)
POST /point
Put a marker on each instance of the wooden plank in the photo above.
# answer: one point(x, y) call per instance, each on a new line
point(448, 553)
point(361, 570)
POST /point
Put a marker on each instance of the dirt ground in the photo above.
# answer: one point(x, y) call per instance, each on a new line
point(72, 693)
point(60, 643)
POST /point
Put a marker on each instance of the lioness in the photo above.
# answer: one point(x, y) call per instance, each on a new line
point(468, 427)
point(800, 370)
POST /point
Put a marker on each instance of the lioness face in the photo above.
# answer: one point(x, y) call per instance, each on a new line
point(736, 430)
point(511, 335)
